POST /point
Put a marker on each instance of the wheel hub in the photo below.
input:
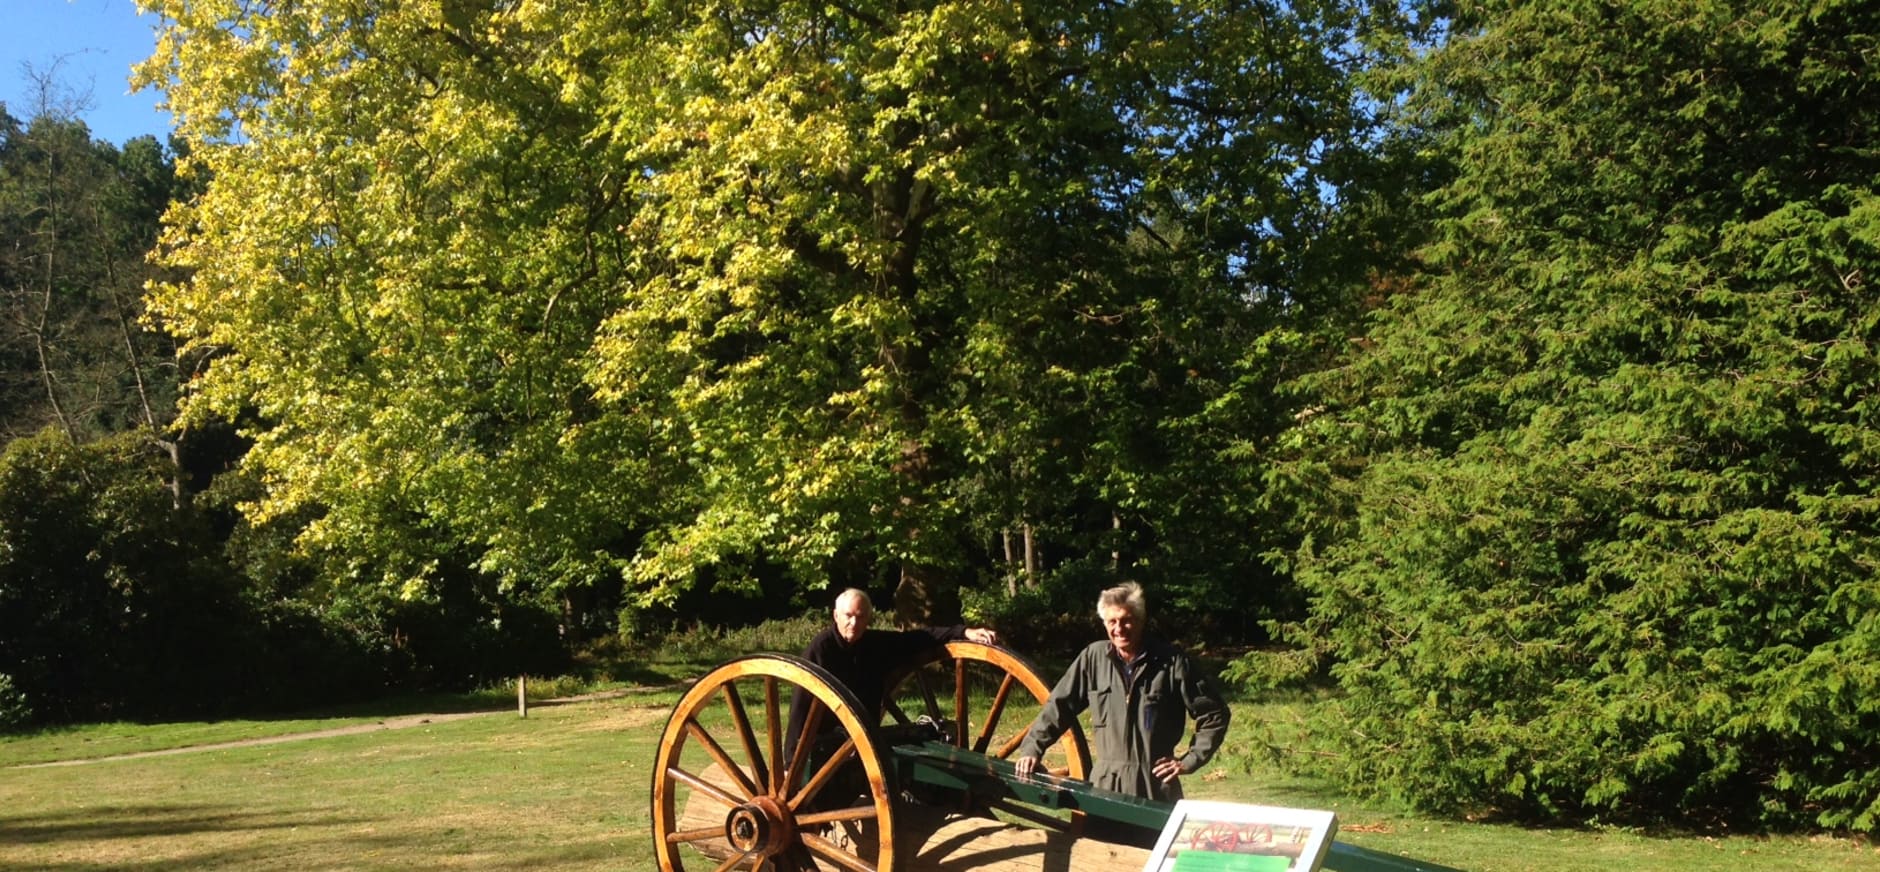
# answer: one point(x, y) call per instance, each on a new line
point(762, 826)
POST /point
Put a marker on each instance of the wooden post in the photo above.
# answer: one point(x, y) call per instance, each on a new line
point(522, 696)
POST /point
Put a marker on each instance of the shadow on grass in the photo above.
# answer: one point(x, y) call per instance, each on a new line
point(92, 825)
point(491, 700)
point(188, 836)
point(1346, 857)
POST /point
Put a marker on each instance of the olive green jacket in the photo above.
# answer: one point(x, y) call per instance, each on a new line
point(1136, 715)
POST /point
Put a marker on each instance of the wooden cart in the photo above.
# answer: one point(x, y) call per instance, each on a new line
point(929, 787)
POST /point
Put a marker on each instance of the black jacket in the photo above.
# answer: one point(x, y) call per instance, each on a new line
point(865, 666)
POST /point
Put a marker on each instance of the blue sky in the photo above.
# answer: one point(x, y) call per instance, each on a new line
point(89, 46)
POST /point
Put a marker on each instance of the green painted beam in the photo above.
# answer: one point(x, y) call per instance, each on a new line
point(941, 765)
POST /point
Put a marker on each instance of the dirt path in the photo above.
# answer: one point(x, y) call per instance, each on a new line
point(397, 723)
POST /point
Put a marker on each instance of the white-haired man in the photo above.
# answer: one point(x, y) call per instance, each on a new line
point(1141, 692)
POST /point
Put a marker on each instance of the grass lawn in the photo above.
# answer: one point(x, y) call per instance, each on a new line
point(568, 788)
point(565, 788)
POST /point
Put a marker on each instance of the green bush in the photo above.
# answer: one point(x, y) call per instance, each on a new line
point(14, 710)
point(104, 606)
point(1514, 639)
point(1050, 621)
point(117, 603)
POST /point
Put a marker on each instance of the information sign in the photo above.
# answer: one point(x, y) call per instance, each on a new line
point(1210, 836)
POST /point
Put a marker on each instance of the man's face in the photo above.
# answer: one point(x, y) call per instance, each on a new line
point(1124, 630)
point(852, 617)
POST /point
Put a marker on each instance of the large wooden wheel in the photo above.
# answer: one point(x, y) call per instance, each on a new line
point(983, 698)
point(769, 807)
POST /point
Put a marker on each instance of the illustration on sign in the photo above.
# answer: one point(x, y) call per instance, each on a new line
point(1203, 836)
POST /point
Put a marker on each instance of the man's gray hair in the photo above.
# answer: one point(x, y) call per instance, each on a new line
point(1127, 595)
point(868, 605)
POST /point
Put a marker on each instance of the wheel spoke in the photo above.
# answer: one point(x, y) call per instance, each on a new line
point(823, 775)
point(760, 772)
point(799, 756)
point(773, 719)
point(992, 717)
point(959, 703)
point(704, 787)
point(837, 815)
point(697, 835)
point(926, 693)
point(834, 853)
point(799, 859)
point(1010, 746)
point(893, 709)
point(718, 755)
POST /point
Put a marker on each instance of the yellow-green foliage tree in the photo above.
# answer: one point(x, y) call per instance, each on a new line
point(681, 288)
point(395, 274)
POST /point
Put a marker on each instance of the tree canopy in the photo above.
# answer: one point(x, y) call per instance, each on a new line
point(78, 218)
point(693, 293)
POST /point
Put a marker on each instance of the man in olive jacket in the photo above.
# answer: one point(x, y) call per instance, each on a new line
point(1141, 693)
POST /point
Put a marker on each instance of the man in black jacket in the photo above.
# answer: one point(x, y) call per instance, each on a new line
point(863, 658)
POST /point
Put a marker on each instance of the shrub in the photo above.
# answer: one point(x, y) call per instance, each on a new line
point(1501, 651)
point(100, 588)
point(14, 711)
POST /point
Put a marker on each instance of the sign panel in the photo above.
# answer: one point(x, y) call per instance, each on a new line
point(1207, 836)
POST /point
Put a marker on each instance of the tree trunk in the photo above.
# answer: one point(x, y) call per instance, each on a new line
point(924, 597)
point(1011, 561)
point(1116, 550)
point(1031, 558)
